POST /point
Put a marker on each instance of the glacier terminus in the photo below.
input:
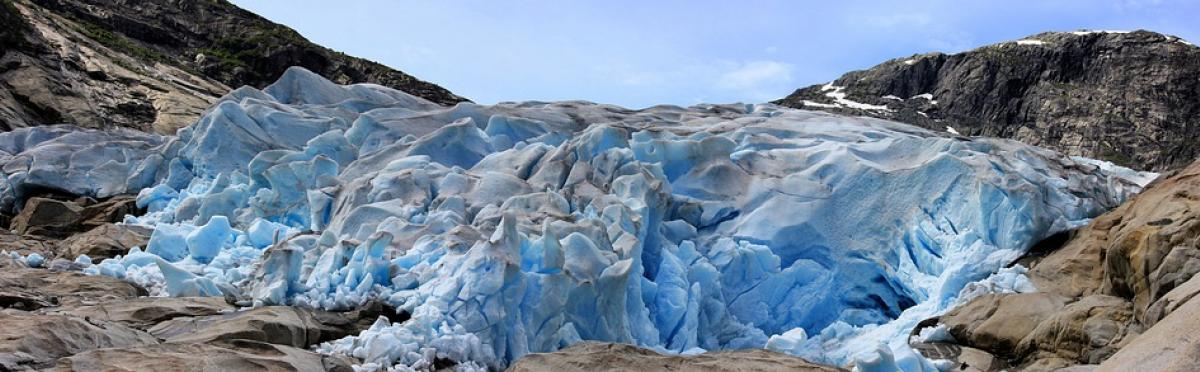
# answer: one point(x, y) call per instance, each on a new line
point(526, 227)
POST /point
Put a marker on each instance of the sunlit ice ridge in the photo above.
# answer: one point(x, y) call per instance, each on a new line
point(526, 227)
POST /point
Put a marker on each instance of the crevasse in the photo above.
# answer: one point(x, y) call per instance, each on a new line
point(525, 227)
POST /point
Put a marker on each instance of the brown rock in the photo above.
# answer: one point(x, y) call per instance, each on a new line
point(47, 217)
point(235, 356)
point(35, 341)
point(108, 211)
point(598, 356)
point(998, 323)
point(105, 241)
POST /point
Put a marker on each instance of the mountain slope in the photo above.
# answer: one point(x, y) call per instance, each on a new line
point(1130, 98)
point(154, 65)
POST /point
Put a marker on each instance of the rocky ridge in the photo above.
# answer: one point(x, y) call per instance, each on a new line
point(1126, 97)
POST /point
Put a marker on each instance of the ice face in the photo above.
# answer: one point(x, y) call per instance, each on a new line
point(525, 227)
point(78, 161)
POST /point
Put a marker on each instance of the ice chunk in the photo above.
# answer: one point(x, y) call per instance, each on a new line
point(169, 242)
point(34, 260)
point(181, 283)
point(263, 233)
point(205, 243)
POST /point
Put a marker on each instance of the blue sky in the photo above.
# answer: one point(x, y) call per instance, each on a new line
point(641, 53)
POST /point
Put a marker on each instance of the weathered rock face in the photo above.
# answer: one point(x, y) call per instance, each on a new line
point(621, 357)
point(274, 324)
point(33, 341)
point(1130, 98)
point(1118, 293)
point(153, 65)
point(142, 313)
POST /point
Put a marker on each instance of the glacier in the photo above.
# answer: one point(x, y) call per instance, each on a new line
point(525, 227)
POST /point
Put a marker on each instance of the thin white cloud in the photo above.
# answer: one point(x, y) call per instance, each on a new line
point(755, 74)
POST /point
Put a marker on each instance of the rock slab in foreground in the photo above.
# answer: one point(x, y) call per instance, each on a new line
point(242, 356)
point(33, 341)
point(599, 356)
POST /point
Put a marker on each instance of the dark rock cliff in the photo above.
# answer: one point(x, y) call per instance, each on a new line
point(1131, 98)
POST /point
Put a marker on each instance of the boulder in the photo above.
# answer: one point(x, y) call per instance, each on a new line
point(145, 312)
point(29, 341)
point(56, 218)
point(240, 355)
point(280, 325)
point(108, 211)
point(32, 289)
point(966, 359)
point(997, 323)
point(104, 241)
point(622, 357)
point(48, 217)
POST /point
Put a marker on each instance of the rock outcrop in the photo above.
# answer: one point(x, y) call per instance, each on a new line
point(1125, 97)
point(153, 65)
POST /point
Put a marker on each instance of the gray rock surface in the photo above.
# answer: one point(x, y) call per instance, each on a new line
point(33, 289)
point(597, 356)
point(34, 341)
point(1130, 98)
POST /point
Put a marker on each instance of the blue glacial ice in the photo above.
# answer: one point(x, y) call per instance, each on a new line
point(525, 227)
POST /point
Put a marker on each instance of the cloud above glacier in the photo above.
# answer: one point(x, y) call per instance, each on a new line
point(752, 77)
